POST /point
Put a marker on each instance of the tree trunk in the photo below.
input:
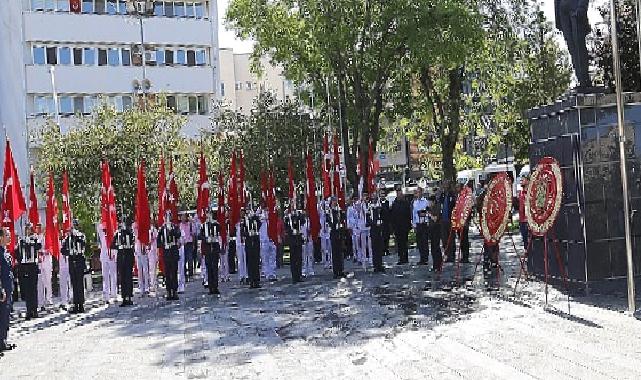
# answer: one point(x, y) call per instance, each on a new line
point(452, 123)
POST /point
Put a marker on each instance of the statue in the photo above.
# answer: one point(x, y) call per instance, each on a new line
point(572, 19)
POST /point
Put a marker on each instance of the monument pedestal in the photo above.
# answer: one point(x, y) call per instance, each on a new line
point(580, 131)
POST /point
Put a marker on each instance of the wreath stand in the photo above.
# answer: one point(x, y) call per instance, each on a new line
point(457, 254)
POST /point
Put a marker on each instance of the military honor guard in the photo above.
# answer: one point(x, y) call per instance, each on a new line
point(420, 222)
point(6, 290)
point(325, 233)
point(28, 249)
point(353, 215)
point(124, 241)
point(365, 240)
point(308, 247)
point(169, 240)
point(375, 225)
point(64, 278)
point(152, 256)
point(267, 247)
point(251, 231)
point(294, 224)
point(211, 246)
point(338, 235)
point(240, 251)
point(45, 269)
point(73, 248)
point(142, 263)
point(109, 266)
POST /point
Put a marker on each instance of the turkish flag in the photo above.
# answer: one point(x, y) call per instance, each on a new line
point(66, 206)
point(74, 5)
point(108, 204)
point(172, 195)
point(203, 190)
point(232, 194)
point(34, 216)
point(13, 204)
point(143, 213)
point(52, 232)
point(221, 209)
point(312, 203)
point(372, 168)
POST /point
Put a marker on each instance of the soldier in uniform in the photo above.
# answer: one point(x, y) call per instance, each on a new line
point(64, 279)
point(240, 248)
point(308, 246)
point(420, 222)
point(45, 266)
point(386, 212)
point(211, 243)
point(364, 232)
point(152, 255)
point(353, 215)
point(325, 233)
point(231, 245)
point(27, 249)
point(169, 240)
point(294, 225)
point(108, 265)
point(6, 290)
point(123, 241)
point(434, 233)
point(267, 247)
point(338, 235)
point(375, 225)
point(73, 248)
point(251, 232)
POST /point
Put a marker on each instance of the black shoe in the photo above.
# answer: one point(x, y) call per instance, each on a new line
point(422, 263)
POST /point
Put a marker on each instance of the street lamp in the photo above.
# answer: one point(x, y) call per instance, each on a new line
point(141, 9)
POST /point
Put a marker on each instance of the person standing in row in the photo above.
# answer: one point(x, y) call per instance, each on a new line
point(108, 266)
point(211, 248)
point(294, 225)
point(420, 222)
point(232, 243)
point(241, 248)
point(353, 213)
point(251, 229)
point(64, 279)
point(45, 268)
point(267, 247)
point(141, 263)
point(401, 220)
point(73, 247)
point(308, 247)
point(375, 225)
point(6, 290)
point(152, 256)
point(339, 233)
point(325, 233)
point(27, 250)
point(188, 248)
point(169, 241)
point(434, 233)
point(124, 241)
point(386, 214)
point(365, 240)
point(448, 201)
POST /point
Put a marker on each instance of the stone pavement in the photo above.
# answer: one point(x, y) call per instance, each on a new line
point(404, 324)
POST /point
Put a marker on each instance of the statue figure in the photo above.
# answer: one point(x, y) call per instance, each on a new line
point(572, 19)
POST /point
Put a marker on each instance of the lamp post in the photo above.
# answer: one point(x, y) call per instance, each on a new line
point(141, 9)
point(624, 173)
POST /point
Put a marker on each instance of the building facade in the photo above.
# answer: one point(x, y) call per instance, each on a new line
point(94, 49)
point(240, 85)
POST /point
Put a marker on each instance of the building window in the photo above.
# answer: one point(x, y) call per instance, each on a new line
point(169, 57)
point(90, 56)
point(171, 102)
point(160, 57)
point(201, 58)
point(50, 5)
point(100, 6)
point(40, 105)
point(202, 105)
point(65, 55)
point(190, 9)
point(78, 104)
point(38, 55)
point(112, 7)
point(193, 105)
point(77, 56)
point(126, 102)
point(90, 102)
point(199, 10)
point(37, 5)
point(181, 57)
point(113, 57)
point(179, 9)
point(126, 57)
point(87, 6)
point(63, 5)
point(183, 104)
point(249, 85)
point(52, 58)
point(191, 58)
point(102, 57)
point(222, 89)
point(159, 8)
point(169, 9)
point(239, 86)
point(66, 105)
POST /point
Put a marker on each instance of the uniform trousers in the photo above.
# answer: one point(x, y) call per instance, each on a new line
point(337, 252)
point(29, 286)
point(242, 261)
point(422, 242)
point(181, 269)
point(308, 258)
point(223, 269)
point(125, 273)
point(152, 256)
point(252, 250)
point(171, 257)
point(211, 251)
point(64, 280)
point(44, 281)
point(378, 246)
point(231, 256)
point(365, 247)
point(77, 275)
point(326, 249)
point(296, 257)
point(268, 258)
point(142, 263)
point(109, 279)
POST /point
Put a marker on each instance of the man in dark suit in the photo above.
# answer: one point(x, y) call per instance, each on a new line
point(401, 221)
point(6, 290)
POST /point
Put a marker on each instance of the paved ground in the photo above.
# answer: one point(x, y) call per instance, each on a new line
point(404, 324)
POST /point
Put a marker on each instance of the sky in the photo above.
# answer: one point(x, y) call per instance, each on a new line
point(227, 38)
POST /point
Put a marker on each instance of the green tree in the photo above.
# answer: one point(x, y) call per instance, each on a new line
point(353, 49)
point(124, 139)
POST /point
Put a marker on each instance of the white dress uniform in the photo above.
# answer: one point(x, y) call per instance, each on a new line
point(152, 257)
point(240, 255)
point(45, 264)
point(142, 264)
point(223, 267)
point(181, 264)
point(365, 237)
point(352, 224)
point(109, 267)
point(267, 248)
point(308, 250)
point(325, 234)
point(64, 279)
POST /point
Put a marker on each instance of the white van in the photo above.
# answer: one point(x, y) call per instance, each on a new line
point(502, 168)
point(473, 175)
